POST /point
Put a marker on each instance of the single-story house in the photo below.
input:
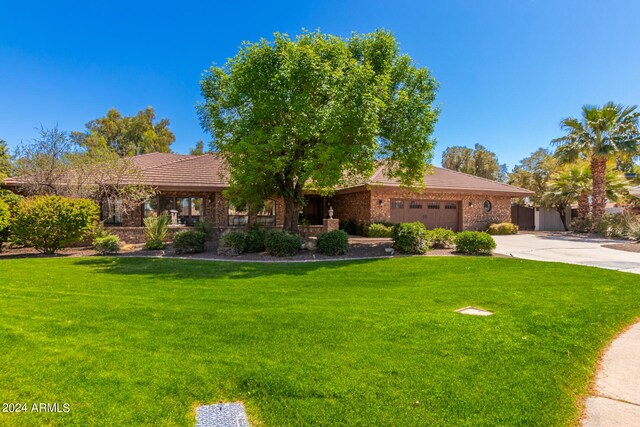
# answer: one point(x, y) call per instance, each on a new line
point(191, 186)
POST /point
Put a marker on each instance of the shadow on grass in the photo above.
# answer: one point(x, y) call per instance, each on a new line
point(203, 269)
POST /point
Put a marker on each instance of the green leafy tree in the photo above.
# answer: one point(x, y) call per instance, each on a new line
point(533, 173)
point(477, 161)
point(6, 165)
point(198, 150)
point(601, 134)
point(127, 135)
point(317, 110)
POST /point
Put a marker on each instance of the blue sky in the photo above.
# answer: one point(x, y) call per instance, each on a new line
point(509, 70)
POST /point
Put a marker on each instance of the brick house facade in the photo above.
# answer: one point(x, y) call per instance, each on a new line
point(192, 188)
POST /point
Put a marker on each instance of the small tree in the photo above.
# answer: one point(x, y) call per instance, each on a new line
point(477, 161)
point(533, 173)
point(317, 111)
point(50, 223)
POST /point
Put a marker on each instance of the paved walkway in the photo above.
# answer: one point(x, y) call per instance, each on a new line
point(616, 398)
point(569, 248)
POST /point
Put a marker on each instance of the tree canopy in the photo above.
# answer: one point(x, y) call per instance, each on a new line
point(6, 165)
point(533, 173)
point(198, 150)
point(601, 134)
point(316, 111)
point(476, 161)
point(127, 135)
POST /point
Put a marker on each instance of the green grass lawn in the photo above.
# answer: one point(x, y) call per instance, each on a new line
point(143, 341)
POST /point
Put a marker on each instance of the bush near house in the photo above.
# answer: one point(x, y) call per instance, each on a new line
point(380, 230)
point(334, 242)
point(618, 226)
point(204, 227)
point(5, 218)
point(411, 238)
point(582, 225)
point(106, 245)
point(51, 223)
point(475, 243)
point(282, 243)
point(155, 230)
point(232, 243)
point(441, 238)
point(502, 229)
point(255, 238)
point(189, 241)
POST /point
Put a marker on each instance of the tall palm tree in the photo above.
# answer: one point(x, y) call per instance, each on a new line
point(602, 133)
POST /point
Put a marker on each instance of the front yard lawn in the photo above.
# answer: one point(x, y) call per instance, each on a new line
point(375, 342)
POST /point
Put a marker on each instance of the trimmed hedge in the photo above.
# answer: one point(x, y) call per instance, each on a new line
point(380, 230)
point(255, 238)
point(502, 229)
point(411, 238)
point(189, 241)
point(333, 243)
point(51, 223)
point(282, 243)
point(441, 238)
point(475, 242)
point(106, 245)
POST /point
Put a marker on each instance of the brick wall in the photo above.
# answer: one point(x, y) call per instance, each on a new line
point(375, 205)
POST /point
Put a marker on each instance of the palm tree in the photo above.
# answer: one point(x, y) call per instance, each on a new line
point(601, 134)
point(572, 184)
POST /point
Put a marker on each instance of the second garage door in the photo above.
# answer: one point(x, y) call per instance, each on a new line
point(433, 213)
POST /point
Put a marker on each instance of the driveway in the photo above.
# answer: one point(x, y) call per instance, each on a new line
point(568, 248)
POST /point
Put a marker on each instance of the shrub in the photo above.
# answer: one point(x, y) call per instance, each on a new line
point(410, 238)
point(282, 243)
point(502, 229)
point(255, 238)
point(441, 238)
point(380, 230)
point(333, 243)
point(106, 245)
point(189, 241)
point(582, 225)
point(155, 230)
point(50, 223)
point(633, 231)
point(475, 242)
point(233, 242)
point(353, 227)
point(99, 231)
point(5, 218)
point(204, 227)
point(614, 225)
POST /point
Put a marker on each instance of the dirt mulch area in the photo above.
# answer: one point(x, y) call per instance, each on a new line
point(358, 249)
point(627, 247)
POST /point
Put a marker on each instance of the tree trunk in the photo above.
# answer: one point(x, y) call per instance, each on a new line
point(562, 210)
point(291, 212)
point(598, 174)
point(583, 205)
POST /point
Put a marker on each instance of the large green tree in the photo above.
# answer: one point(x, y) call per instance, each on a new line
point(533, 173)
point(316, 111)
point(127, 135)
point(476, 161)
point(6, 166)
point(601, 134)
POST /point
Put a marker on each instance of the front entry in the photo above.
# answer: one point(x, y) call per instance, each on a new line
point(432, 213)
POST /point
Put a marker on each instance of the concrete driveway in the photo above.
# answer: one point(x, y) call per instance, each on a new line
point(568, 248)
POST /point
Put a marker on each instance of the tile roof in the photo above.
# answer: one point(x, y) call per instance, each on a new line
point(207, 172)
point(441, 179)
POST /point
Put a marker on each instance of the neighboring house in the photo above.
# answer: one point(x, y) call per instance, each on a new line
point(192, 187)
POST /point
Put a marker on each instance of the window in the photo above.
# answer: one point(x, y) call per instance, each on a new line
point(111, 211)
point(433, 205)
point(238, 215)
point(451, 205)
point(414, 204)
point(487, 206)
point(189, 210)
point(397, 204)
point(267, 216)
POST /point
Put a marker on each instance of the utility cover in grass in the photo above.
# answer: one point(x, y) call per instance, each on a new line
point(221, 415)
point(474, 311)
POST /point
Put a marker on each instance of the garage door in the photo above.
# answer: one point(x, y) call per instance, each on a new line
point(433, 213)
